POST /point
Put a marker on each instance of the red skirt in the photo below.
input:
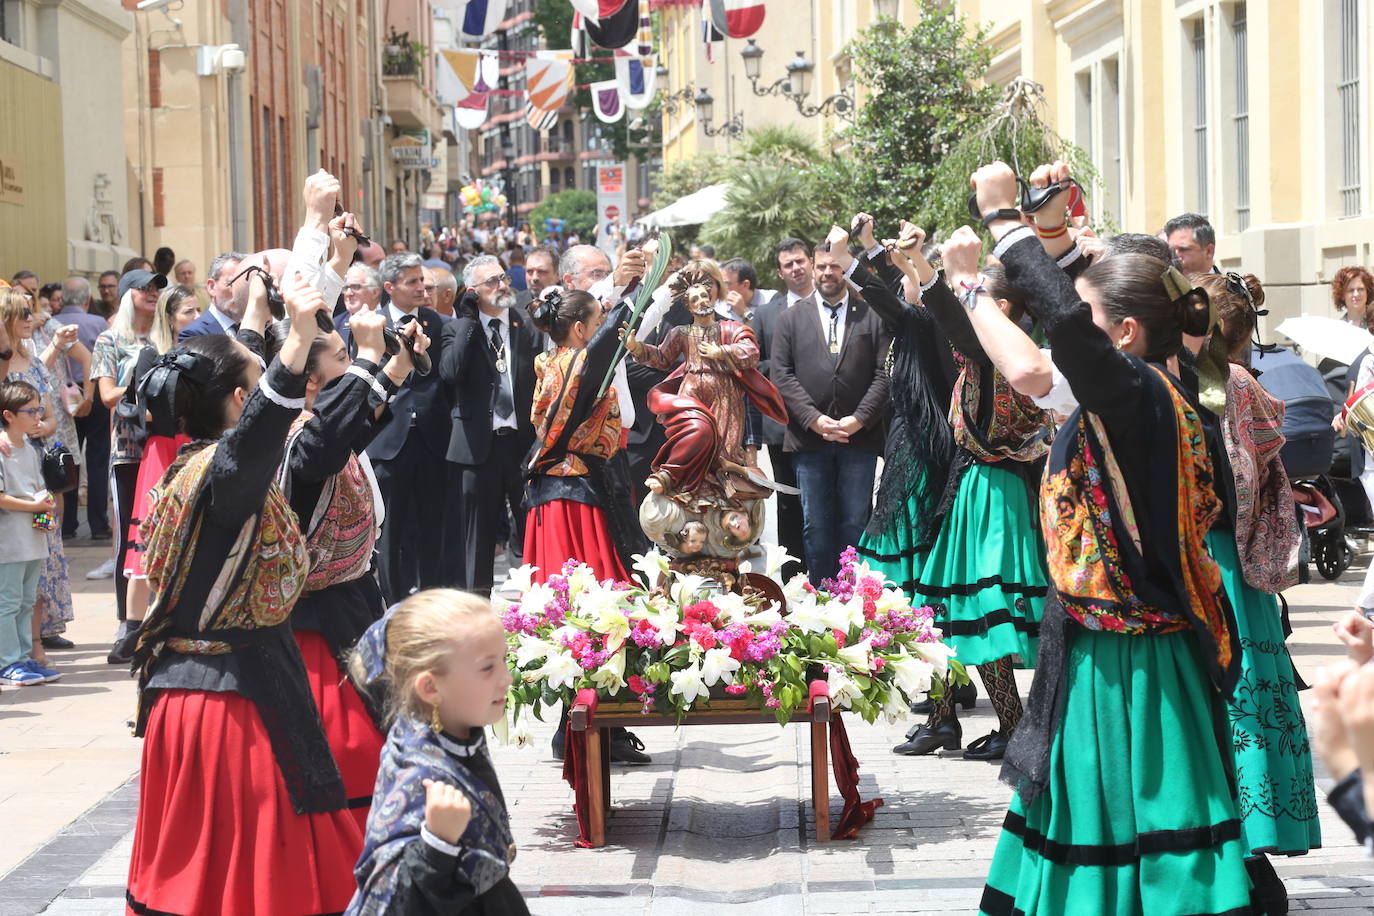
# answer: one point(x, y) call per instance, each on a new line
point(158, 454)
point(354, 739)
point(216, 832)
point(564, 529)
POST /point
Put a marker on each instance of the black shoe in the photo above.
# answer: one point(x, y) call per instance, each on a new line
point(559, 738)
point(965, 695)
point(57, 642)
point(1269, 892)
point(122, 653)
point(927, 740)
point(992, 746)
point(626, 748)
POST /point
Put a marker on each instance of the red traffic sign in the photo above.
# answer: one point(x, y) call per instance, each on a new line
point(613, 212)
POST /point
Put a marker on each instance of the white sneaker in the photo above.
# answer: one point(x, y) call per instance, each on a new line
point(103, 571)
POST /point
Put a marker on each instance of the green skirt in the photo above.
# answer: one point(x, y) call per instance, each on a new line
point(1140, 817)
point(985, 574)
point(894, 554)
point(1278, 800)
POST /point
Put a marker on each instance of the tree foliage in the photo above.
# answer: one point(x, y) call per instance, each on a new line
point(924, 91)
point(576, 208)
point(765, 204)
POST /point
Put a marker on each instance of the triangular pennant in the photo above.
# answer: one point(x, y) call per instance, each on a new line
point(471, 113)
point(636, 80)
point(548, 82)
point(539, 119)
point(616, 30)
point(593, 10)
point(742, 17)
point(482, 17)
point(606, 100)
point(456, 74)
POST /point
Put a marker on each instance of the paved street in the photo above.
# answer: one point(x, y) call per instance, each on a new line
point(719, 821)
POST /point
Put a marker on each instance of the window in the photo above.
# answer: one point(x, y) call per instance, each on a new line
point(1348, 91)
point(1241, 119)
point(1199, 46)
point(1097, 130)
point(570, 178)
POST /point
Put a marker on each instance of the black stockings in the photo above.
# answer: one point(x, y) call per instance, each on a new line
point(1000, 684)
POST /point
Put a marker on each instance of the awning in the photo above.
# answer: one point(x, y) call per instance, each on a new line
point(691, 210)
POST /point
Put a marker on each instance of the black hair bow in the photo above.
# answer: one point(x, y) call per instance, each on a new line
point(158, 388)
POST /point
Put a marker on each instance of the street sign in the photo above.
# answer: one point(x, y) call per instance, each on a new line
point(610, 206)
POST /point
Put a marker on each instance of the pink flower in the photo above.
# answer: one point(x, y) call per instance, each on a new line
point(736, 689)
point(637, 684)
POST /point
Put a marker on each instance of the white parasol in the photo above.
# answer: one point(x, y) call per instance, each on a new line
point(1326, 337)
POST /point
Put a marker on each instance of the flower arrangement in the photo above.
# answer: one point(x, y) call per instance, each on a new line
point(668, 639)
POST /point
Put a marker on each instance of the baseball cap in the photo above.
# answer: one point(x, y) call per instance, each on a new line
point(140, 279)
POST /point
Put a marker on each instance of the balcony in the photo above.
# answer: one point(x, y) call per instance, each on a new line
point(409, 103)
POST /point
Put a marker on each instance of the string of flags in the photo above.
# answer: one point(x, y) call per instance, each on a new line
point(468, 77)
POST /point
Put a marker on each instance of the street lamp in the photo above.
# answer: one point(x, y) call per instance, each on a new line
point(796, 85)
point(886, 8)
point(705, 105)
point(683, 96)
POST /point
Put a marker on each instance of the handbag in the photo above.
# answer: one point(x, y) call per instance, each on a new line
point(60, 473)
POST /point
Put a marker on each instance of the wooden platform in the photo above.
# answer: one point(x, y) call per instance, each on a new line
point(723, 711)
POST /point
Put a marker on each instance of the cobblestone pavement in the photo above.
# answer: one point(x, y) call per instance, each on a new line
point(719, 821)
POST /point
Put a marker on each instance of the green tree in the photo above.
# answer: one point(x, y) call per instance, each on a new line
point(924, 91)
point(766, 203)
point(576, 208)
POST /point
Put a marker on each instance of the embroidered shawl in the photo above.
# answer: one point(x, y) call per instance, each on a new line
point(1014, 428)
point(342, 530)
point(599, 434)
point(1267, 535)
point(414, 753)
point(1092, 536)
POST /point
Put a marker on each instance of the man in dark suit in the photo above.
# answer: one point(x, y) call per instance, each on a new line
point(408, 453)
point(795, 269)
point(488, 370)
point(223, 314)
point(829, 361)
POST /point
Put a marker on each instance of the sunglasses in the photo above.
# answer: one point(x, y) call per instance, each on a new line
point(494, 282)
point(26, 314)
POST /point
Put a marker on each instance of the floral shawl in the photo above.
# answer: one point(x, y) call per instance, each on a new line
point(599, 434)
point(1014, 428)
point(1267, 535)
point(1093, 539)
point(414, 753)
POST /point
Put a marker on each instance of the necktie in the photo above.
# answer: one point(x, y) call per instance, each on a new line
point(833, 336)
point(505, 400)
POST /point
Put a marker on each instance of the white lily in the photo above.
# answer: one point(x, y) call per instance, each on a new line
point(668, 623)
point(718, 667)
point(602, 608)
point(519, 580)
point(843, 690)
point(764, 618)
point(796, 589)
point(534, 598)
point(911, 674)
point(808, 616)
point(937, 653)
point(859, 656)
point(500, 730)
point(611, 676)
point(685, 589)
point(845, 615)
point(776, 558)
point(521, 736)
point(560, 669)
point(731, 608)
point(532, 650)
point(895, 709)
point(651, 566)
point(892, 599)
point(582, 578)
point(688, 684)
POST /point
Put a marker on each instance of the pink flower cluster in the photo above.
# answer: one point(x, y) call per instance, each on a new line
point(589, 649)
point(645, 690)
point(699, 624)
point(644, 635)
point(766, 687)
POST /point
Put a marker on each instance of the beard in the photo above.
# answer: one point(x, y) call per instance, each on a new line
point(830, 289)
point(504, 302)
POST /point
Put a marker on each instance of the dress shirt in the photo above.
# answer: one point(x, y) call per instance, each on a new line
point(225, 322)
point(310, 258)
point(824, 310)
point(502, 320)
point(396, 314)
point(793, 298)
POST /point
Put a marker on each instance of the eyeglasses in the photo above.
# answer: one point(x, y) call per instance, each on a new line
point(494, 282)
point(596, 275)
point(37, 413)
point(355, 287)
point(26, 314)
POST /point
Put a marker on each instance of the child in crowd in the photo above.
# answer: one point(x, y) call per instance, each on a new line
point(23, 541)
point(438, 837)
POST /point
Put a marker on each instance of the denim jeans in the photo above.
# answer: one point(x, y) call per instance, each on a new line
point(836, 483)
point(18, 592)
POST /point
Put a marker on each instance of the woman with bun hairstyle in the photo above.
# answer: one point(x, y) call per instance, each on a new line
point(241, 805)
point(1255, 542)
point(577, 507)
point(1125, 801)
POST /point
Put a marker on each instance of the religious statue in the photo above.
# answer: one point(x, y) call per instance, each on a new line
point(705, 499)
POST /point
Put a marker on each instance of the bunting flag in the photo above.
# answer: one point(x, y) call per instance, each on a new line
point(635, 77)
point(616, 30)
point(465, 79)
point(709, 33)
point(606, 100)
point(596, 10)
point(645, 36)
point(737, 18)
point(539, 119)
point(482, 17)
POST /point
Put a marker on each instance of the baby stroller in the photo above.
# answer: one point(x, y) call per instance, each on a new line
point(1307, 456)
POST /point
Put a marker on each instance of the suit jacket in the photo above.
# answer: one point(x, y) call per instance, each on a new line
point(765, 328)
point(422, 398)
point(204, 324)
point(468, 370)
point(812, 382)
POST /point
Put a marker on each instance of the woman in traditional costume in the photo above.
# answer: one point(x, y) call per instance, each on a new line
point(234, 752)
point(1125, 803)
point(578, 508)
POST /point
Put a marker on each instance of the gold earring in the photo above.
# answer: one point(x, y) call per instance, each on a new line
point(434, 722)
